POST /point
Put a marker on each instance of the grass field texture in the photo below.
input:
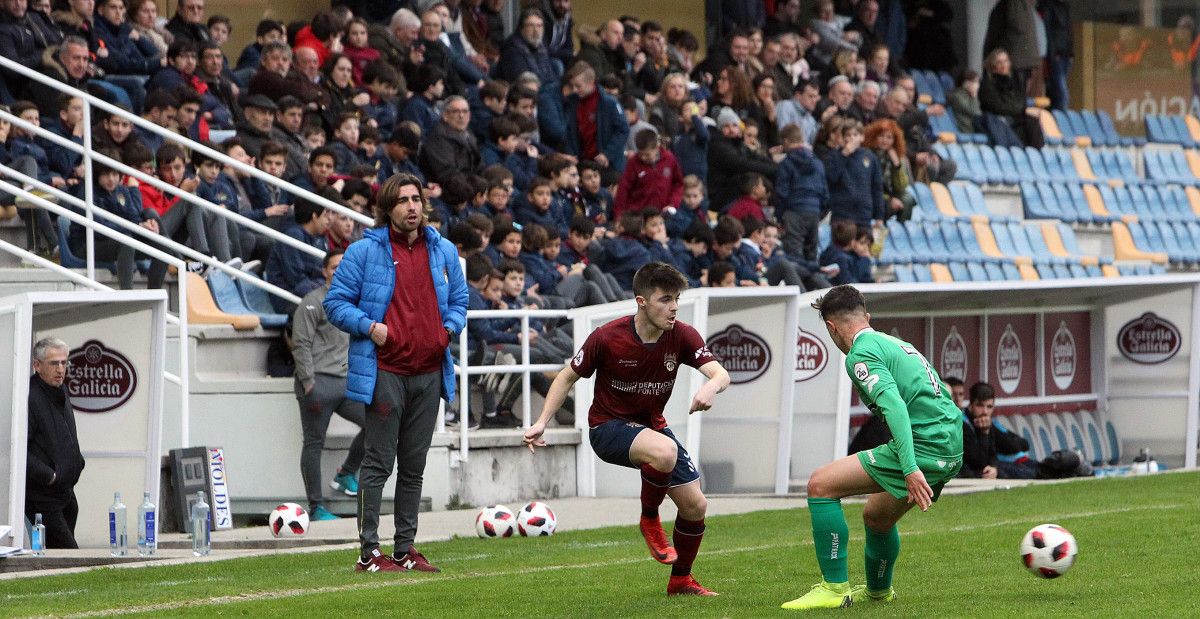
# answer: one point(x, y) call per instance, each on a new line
point(1138, 540)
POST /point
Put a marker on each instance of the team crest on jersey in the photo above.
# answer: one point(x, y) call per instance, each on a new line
point(703, 350)
point(860, 371)
point(669, 360)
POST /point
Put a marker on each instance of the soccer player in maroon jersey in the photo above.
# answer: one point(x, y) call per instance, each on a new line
point(635, 360)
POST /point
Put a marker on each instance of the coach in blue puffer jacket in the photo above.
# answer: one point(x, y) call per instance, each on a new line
point(363, 287)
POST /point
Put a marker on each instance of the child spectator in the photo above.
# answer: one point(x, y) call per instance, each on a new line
point(652, 177)
point(321, 164)
point(654, 236)
point(698, 240)
point(181, 220)
point(401, 150)
point(267, 31)
point(427, 86)
point(340, 233)
point(382, 84)
point(624, 253)
point(291, 269)
point(847, 251)
point(371, 155)
point(486, 107)
point(964, 102)
point(69, 125)
point(629, 104)
point(750, 204)
point(771, 267)
point(855, 182)
point(466, 241)
point(558, 286)
point(453, 206)
point(564, 176)
point(498, 202)
point(722, 275)
point(801, 193)
point(345, 143)
point(314, 137)
point(505, 243)
point(693, 208)
point(219, 189)
point(504, 147)
point(28, 156)
point(269, 204)
point(536, 208)
point(597, 201)
point(356, 48)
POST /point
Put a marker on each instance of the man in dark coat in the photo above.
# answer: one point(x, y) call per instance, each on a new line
point(729, 158)
point(450, 148)
point(54, 462)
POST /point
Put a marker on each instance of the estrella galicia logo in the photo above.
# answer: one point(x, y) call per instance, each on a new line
point(99, 379)
point(743, 354)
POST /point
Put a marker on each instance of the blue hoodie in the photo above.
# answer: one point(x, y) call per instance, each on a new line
point(540, 271)
point(362, 289)
point(855, 187)
point(800, 183)
point(623, 256)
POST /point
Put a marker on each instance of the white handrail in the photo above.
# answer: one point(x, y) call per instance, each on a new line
point(174, 137)
point(465, 371)
point(159, 184)
point(158, 238)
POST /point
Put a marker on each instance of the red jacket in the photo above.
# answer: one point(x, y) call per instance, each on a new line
point(659, 185)
point(306, 38)
point(744, 207)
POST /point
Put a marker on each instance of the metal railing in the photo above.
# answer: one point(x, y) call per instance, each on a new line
point(465, 371)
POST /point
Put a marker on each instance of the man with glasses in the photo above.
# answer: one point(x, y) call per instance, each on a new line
point(188, 23)
point(54, 461)
point(451, 147)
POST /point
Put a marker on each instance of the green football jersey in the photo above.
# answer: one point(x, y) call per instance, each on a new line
point(895, 381)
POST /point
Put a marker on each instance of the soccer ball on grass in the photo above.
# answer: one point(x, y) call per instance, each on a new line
point(536, 519)
point(1048, 550)
point(288, 520)
point(495, 521)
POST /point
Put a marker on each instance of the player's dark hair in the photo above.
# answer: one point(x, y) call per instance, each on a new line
point(982, 392)
point(844, 299)
point(658, 276)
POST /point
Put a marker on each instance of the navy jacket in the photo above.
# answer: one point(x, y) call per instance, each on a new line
point(124, 201)
point(345, 159)
point(524, 213)
point(623, 256)
point(221, 191)
point(293, 270)
point(482, 331)
point(125, 56)
point(26, 146)
point(691, 148)
point(800, 183)
point(612, 130)
point(517, 57)
point(250, 57)
point(855, 186)
point(684, 217)
point(540, 271)
point(62, 159)
point(855, 269)
point(386, 116)
point(420, 110)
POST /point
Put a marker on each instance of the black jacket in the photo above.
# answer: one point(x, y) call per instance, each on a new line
point(979, 451)
point(53, 445)
point(728, 159)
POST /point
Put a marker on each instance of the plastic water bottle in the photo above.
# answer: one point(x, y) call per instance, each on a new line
point(201, 540)
point(118, 535)
point(38, 538)
point(147, 539)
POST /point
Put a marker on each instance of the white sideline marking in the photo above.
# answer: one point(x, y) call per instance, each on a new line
point(294, 593)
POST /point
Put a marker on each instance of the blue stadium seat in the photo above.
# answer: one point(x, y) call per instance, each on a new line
point(225, 293)
point(966, 234)
point(923, 251)
point(1094, 438)
point(959, 271)
point(1106, 122)
point(1179, 164)
point(1007, 166)
point(946, 79)
point(925, 199)
point(933, 235)
point(1050, 203)
point(978, 272)
point(1037, 243)
point(904, 273)
point(975, 163)
point(1032, 201)
point(921, 273)
point(1064, 126)
point(1037, 165)
point(1011, 272)
point(1078, 127)
point(994, 272)
point(1004, 240)
point(258, 301)
point(1094, 130)
point(935, 87)
point(1181, 130)
point(1154, 130)
point(1021, 163)
point(896, 248)
point(954, 242)
point(997, 172)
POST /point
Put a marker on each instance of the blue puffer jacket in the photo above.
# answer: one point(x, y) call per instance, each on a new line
point(362, 289)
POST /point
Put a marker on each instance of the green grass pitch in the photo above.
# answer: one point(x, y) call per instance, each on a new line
point(1138, 541)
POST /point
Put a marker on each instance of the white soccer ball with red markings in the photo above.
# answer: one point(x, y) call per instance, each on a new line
point(496, 521)
point(1048, 550)
point(288, 520)
point(536, 519)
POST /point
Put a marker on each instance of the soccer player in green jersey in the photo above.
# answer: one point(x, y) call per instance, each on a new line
point(896, 382)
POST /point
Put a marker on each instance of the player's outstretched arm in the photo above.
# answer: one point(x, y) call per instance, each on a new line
point(554, 401)
point(718, 380)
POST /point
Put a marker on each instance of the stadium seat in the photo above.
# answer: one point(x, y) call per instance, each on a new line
point(939, 273)
point(943, 201)
point(1082, 168)
point(1106, 123)
point(1193, 127)
point(1064, 127)
point(921, 273)
point(202, 309)
point(1109, 270)
point(229, 299)
point(1094, 130)
point(1109, 433)
point(1097, 448)
point(976, 272)
point(998, 172)
point(1079, 128)
point(1050, 130)
point(903, 273)
point(896, 248)
point(1124, 248)
point(993, 271)
point(1075, 434)
point(1095, 202)
point(257, 300)
point(1042, 434)
point(1182, 131)
point(958, 271)
point(1020, 425)
point(1058, 431)
point(1021, 163)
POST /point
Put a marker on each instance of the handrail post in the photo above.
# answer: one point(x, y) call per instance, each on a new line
point(87, 188)
point(464, 396)
point(525, 422)
point(185, 416)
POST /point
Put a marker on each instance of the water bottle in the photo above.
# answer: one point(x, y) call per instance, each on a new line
point(201, 542)
point(118, 536)
point(147, 540)
point(38, 538)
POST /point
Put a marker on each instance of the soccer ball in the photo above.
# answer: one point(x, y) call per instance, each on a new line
point(495, 521)
point(536, 519)
point(288, 520)
point(1048, 550)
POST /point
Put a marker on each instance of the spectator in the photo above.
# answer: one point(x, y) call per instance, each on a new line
point(964, 101)
point(53, 460)
point(990, 450)
point(401, 319)
point(831, 36)
point(74, 19)
point(525, 51)
point(267, 31)
point(344, 97)
point(259, 115)
point(603, 52)
point(802, 193)
point(692, 208)
point(345, 143)
point(756, 255)
point(653, 60)
point(728, 158)
point(26, 154)
point(722, 275)
point(682, 123)
point(320, 351)
point(883, 138)
point(122, 53)
point(450, 148)
point(383, 84)
point(753, 195)
point(486, 105)
point(212, 69)
point(774, 69)
point(439, 55)
point(64, 161)
point(188, 23)
point(428, 85)
point(798, 110)
point(596, 126)
point(682, 47)
point(145, 22)
point(308, 64)
point(323, 35)
point(508, 148)
point(878, 66)
point(848, 251)
point(865, 101)
point(357, 49)
point(218, 188)
point(958, 391)
point(926, 164)
point(71, 65)
point(401, 149)
point(276, 78)
point(1056, 15)
point(652, 177)
point(632, 107)
point(182, 59)
point(929, 39)
point(762, 109)
point(258, 200)
point(286, 130)
point(788, 18)
point(624, 253)
point(560, 25)
point(296, 271)
point(1002, 101)
point(841, 96)
point(321, 163)
point(855, 181)
point(553, 279)
point(24, 37)
point(1013, 26)
point(865, 24)
point(597, 200)
point(733, 91)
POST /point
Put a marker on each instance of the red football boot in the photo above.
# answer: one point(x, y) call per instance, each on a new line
point(686, 585)
point(413, 560)
point(656, 540)
point(377, 562)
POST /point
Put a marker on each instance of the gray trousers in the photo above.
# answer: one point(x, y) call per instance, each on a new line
point(399, 427)
point(207, 233)
point(328, 396)
point(800, 234)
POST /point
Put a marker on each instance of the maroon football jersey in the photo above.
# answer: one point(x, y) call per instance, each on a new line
point(634, 379)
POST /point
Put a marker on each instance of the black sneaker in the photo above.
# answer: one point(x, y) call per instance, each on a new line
point(500, 419)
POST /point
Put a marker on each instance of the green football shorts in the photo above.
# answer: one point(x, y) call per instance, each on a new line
point(883, 465)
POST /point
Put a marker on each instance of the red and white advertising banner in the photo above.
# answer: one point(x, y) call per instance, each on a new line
point(1012, 354)
point(1067, 353)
